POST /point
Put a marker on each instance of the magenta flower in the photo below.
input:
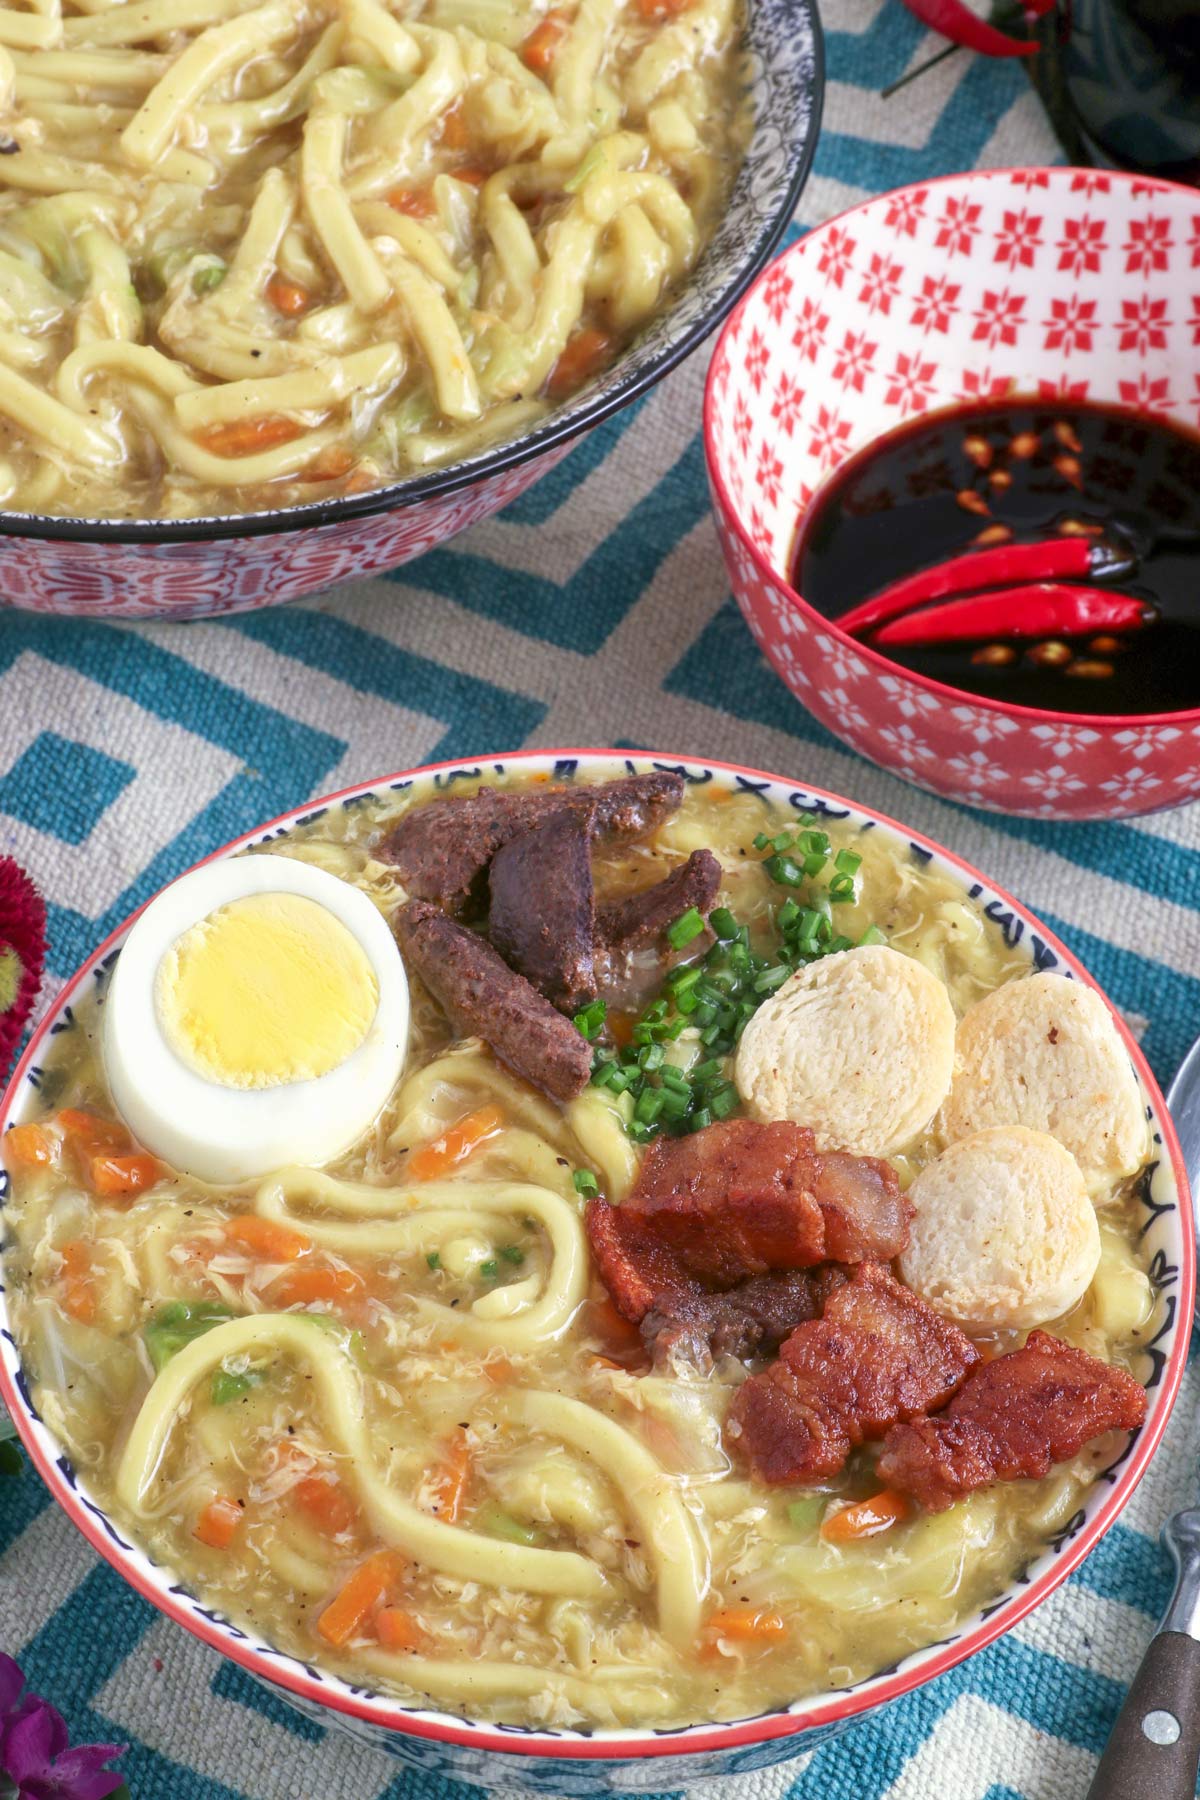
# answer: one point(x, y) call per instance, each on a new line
point(22, 949)
point(34, 1752)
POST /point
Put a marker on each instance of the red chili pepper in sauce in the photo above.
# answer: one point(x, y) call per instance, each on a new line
point(1040, 610)
point(957, 22)
point(1054, 559)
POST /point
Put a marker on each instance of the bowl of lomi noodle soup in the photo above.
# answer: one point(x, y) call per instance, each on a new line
point(589, 1270)
point(291, 291)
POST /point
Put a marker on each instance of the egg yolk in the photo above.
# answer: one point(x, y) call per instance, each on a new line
point(269, 989)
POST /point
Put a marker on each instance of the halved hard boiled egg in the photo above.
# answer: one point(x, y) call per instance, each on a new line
point(257, 1016)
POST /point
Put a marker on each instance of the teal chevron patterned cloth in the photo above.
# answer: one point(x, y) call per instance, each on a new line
point(595, 611)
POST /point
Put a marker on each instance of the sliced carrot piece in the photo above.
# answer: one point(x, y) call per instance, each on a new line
point(415, 203)
point(498, 1369)
point(326, 1502)
point(75, 1282)
point(397, 1629)
point(288, 297)
point(120, 1177)
point(88, 1133)
point(865, 1518)
point(542, 45)
point(299, 1285)
point(331, 464)
point(746, 1625)
point(455, 135)
point(655, 11)
point(244, 437)
point(585, 354)
point(455, 1145)
point(449, 1482)
point(349, 1610)
point(218, 1524)
point(27, 1147)
point(267, 1238)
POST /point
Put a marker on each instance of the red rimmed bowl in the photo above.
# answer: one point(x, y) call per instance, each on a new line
point(1054, 283)
point(575, 1763)
point(196, 567)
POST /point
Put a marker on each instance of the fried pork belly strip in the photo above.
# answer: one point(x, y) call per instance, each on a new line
point(710, 1241)
point(878, 1355)
point(1014, 1418)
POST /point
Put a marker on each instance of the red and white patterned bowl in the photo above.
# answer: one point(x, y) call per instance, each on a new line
point(1071, 283)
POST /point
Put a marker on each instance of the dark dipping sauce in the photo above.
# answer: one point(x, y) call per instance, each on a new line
point(1022, 473)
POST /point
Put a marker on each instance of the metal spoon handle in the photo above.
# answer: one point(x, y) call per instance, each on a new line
point(1154, 1750)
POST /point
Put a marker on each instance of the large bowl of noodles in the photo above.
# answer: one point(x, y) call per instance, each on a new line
point(575, 1760)
point(116, 494)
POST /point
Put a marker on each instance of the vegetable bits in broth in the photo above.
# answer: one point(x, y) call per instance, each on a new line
point(736, 1284)
point(256, 255)
point(1045, 555)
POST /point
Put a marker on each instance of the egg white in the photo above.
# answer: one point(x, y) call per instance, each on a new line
point(223, 1134)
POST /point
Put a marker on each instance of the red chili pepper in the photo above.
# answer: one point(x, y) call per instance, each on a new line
point(1056, 559)
point(957, 22)
point(1041, 609)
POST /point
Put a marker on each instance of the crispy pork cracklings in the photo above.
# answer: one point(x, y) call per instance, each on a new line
point(1005, 1233)
point(859, 1046)
point(1044, 1052)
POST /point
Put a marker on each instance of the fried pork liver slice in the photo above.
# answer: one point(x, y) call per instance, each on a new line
point(740, 1198)
point(486, 998)
point(442, 850)
point(878, 1355)
point(642, 917)
point(542, 913)
point(1014, 1418)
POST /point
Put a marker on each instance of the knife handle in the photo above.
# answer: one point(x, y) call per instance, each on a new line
point(1154, 1749)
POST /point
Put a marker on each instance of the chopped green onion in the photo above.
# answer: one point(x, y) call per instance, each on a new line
point(585, 1182)
point(784, 870)
point(590, 1019)
point(841, 887)
point(807, 1512)
point(783, 841)
point(497, 1523)
point(489, 1269)
point(723, 1100)
point(178, 1324)
point(649, 1105)
point(513, 1253)
point(674, 1078)
point(433, 1258)
point(689, 925)
point(847, 862)
point(651, 1056)
point(770, 979)
point(723, 923)
point(700, 1119)
point(762, 841)
point(228, 1385)
point(872, 935)
point(209, 277)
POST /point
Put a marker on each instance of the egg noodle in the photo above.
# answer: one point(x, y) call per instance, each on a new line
point(436, 1395)
point(255, 254)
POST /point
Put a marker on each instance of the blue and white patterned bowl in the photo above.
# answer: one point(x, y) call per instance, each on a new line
point(192, 568)
point(648, 1761)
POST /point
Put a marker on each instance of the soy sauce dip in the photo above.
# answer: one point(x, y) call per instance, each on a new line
point(1024, 472)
